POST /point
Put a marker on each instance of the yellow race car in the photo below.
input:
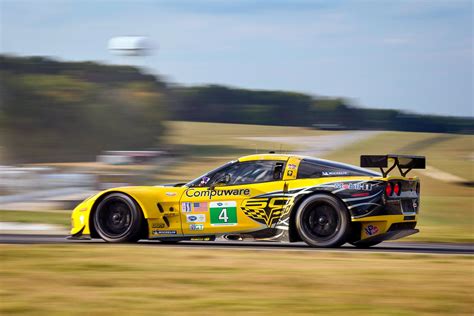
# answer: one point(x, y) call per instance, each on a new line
point(270, 197)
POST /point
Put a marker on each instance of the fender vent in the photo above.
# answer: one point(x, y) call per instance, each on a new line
point(160, 208)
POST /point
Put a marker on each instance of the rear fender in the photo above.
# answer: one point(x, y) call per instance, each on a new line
point(293, 232)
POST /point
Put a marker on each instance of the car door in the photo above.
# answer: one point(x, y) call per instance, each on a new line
point(215, 207)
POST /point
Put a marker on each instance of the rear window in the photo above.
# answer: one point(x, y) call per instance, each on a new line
point(314, 168)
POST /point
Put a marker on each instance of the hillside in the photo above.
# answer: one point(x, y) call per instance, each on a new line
point(70, 111)
point(64, 111)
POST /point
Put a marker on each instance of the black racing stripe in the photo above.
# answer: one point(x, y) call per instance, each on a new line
point(278, 193)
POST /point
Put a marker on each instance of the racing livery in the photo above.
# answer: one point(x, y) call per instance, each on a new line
point(269, 197)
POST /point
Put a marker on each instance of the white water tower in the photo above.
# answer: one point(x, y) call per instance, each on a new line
point(130, 50)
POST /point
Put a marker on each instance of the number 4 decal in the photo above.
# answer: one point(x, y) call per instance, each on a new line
point(223, 213)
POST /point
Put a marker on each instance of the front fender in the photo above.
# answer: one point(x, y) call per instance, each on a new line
point(155, 202)
point(80, 216)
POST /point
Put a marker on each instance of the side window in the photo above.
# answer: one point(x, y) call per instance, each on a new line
point(249, 172)
point(309, 169)
point(317, 169)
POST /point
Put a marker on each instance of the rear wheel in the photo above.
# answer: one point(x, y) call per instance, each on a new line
point(118, 219)
point(323, 221)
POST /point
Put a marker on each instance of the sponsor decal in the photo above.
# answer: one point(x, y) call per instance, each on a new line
point(186, 207)
point(267, 211)
point(354, 186)
point(158, 225)
point(204, 181)
point(223, 213)
point(200, 207)
point(195, 218)
point(195, 193)
point(196, 227)
point(163, 232)
point(291, 166)
point(371, 230)
point(170, 193)
point(334, 173)
point(290, 173)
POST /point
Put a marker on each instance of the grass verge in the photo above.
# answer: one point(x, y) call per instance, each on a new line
point(110, 279)
point(57, 217)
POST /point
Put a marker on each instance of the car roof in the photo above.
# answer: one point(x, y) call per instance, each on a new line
point(268, 157)
point(285, 157)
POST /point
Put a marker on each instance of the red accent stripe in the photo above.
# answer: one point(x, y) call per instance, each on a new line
point(361, 194)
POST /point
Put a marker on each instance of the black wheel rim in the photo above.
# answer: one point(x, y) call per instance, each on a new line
point(321, 221)
point(115, 218)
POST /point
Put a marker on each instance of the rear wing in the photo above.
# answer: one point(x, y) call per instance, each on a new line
point(404, 163)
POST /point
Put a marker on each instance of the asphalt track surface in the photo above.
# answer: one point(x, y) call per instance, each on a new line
point(393, 247)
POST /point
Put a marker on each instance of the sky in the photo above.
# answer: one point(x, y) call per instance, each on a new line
point(412, 55)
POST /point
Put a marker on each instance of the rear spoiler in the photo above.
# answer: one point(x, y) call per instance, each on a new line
point(406, 162)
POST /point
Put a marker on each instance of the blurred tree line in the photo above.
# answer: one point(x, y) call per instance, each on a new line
point(65, 111)
point(223, 104)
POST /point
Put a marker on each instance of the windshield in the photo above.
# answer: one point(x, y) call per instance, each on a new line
point(202, 180)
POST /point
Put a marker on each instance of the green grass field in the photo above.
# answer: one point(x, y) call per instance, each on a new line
point(449, 152)
point(209, 145)
point(232, 136)
point(116, 279)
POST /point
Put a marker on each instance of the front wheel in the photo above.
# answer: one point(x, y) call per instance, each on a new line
point(323, 221)
point(118, 219)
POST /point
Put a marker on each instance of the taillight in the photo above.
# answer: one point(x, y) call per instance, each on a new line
point(388, 189)
point(396, 189)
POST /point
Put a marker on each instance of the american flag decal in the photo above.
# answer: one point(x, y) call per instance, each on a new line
point(200, 207)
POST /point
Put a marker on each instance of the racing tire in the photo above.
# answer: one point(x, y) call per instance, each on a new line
point(365, 244)
point(323, 221)
point(118, 218)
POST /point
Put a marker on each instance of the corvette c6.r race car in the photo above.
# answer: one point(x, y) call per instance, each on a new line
point(268, 197)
